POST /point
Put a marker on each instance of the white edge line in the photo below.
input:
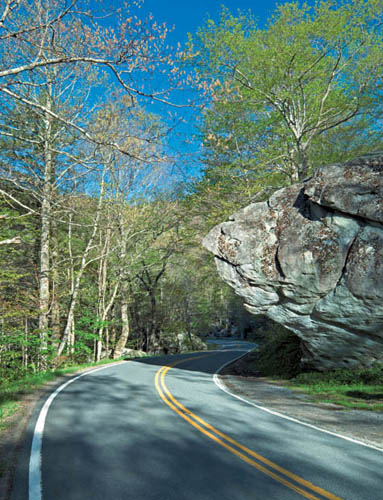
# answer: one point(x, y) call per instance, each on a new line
point(219, 383)
point(35, 490)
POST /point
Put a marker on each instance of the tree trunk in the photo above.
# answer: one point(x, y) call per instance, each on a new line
point(102, 282)
point(45, 235)
point(104, 317)
point(121, 343)
point(72, 338)
point(113, 333)
point(77, 282)
point(154, 337)
point(55, 303)
point(25, 345)
point(302, 170)
point(107, 342)
point(125, 330)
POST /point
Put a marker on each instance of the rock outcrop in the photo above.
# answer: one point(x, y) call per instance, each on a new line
point(177, 343)
point(311, 258)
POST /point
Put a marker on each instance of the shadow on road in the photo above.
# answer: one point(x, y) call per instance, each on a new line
point(108, 437)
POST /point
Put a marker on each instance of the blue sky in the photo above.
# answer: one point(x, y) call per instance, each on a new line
point(188, 15)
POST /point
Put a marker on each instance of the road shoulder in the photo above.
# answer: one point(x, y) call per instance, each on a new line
point(361, 425)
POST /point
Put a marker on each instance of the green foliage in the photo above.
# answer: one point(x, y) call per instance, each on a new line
point(10, 366)
point(279, 352)
point(86, 335)
point(20, 354)
point(359, 389)
point(370, 376)
point(301, 92)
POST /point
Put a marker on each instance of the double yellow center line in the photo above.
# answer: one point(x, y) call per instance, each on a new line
point(287, 478)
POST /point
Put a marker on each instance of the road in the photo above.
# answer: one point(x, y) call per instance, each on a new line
point(161, 429)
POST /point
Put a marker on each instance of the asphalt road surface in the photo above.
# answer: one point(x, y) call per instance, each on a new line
point(161, 429)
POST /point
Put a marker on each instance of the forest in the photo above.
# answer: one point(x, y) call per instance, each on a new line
point(104, 195)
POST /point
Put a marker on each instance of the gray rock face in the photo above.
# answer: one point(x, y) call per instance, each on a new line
point(311, 258)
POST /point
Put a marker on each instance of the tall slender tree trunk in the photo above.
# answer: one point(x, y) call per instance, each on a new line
point(125, 329)
point(104, 307)
point(107, 341)
point(102, 284)
point(72, 334)
point(103, 318)
point(45, 237)
point(125, 326)
point(80, 272)
point(25, 345)
point(55, 302)
point(113, 333)
point(123, 338)
point(72, 338)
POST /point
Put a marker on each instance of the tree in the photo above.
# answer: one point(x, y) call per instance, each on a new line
point(279, 92)
point(130, 181)
point(42, 157)
point(57, 62)
point(36, 34)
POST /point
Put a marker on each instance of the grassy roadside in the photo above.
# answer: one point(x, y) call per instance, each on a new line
point(11, 393)
point(278, 358)
point(353, 389)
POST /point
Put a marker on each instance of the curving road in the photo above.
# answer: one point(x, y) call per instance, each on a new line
point(161, 429)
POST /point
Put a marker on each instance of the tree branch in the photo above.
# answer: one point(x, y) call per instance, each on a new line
point(70, 124)
point(12, 241)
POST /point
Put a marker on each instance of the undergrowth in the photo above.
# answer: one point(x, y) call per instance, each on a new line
point(360, 388)
point(278, 356)
point(278, 353)
point(370, 376)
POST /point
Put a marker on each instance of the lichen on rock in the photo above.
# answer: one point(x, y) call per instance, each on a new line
point(311, 258)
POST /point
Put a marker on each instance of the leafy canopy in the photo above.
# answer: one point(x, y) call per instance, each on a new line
point(279, 93)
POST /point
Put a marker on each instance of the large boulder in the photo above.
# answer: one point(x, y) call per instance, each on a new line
point(180, 342)
point(311, 258)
